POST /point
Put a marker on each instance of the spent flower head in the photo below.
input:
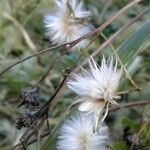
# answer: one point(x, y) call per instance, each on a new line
point(24, 119)
point(68, 22)
point(76, 134)
point(30, 95)
point(97, 88)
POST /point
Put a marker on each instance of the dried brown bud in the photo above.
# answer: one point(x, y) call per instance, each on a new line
point(30, 95)
point(24, 119)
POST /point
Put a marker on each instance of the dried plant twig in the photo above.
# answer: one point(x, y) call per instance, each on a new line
point(31, 56)
point(103, 26)
point(41, 114)
point(52, 101)
point(130, 104)
point(114, 36)
point(113, 109)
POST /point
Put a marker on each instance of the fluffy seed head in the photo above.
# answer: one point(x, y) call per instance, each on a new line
point(76, 134)
point(68, 22)
point(96, 86)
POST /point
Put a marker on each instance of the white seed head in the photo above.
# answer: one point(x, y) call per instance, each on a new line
point(76, 134)
point(67, 22)
point(96, 89)
point(98, 85)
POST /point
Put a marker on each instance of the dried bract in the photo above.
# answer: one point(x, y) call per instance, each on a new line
point(30, 96)
point(24, 119)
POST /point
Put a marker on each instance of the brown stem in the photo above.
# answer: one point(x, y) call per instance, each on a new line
point(55, 61)
point(55, 96)
point(31, 141)
point(113, 109)
point(42, 112)
point(99, 49)
point(38, 139)
point(130, 104)
point(29, 57)
point(110, 39)
point(103, 26)
point(113, 36)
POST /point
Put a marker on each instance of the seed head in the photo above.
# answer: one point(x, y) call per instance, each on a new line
point(30, 96)
point(76, 134)
point(96, 88)
point(24, 119)
point(68, 22)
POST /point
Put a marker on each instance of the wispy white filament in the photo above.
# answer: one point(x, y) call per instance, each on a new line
point(76, 134)
point(97, 88)
point(67, 22)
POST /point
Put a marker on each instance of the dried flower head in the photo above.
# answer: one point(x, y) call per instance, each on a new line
point(24, 119)
point(30, 95)
point(76, 134)
point(68, 22)
point(97, 88)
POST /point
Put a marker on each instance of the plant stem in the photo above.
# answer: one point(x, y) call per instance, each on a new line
point(113, 109)
point(103, 26)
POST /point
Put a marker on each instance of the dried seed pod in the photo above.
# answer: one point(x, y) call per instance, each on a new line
point(30, 95)
point(24, 119)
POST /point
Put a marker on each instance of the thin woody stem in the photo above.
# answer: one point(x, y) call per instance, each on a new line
point(113, 109)
point(38, 139)
point(31, 56)
point(96, 52)
point(103, 26)
point(82, 38)
point(42, 112)
point(55, 61)
point(130, 104)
